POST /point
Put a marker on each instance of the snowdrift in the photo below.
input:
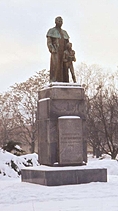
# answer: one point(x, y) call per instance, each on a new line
point(11, 165)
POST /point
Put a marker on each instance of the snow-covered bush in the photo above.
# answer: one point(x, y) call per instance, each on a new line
point(13, 147)
point(11, 165)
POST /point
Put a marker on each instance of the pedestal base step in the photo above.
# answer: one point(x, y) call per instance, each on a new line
point(65, 176)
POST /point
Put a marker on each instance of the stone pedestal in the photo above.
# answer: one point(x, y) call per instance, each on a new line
point(62, 139)
point(54, 102)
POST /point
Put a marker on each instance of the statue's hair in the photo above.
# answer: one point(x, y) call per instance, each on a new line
point(68, 44)
point(58, 18)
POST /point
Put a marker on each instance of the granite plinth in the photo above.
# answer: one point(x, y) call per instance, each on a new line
point(53, 102)
point(63, 177)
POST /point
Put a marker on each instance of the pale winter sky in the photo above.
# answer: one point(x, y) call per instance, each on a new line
point(91, 24)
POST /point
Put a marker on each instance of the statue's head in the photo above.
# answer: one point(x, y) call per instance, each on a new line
point(59, 21)
point(69, 45)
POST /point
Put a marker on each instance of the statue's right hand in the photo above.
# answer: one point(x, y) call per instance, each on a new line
point(52, 50)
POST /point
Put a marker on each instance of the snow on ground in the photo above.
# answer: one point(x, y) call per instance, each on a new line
point(16, 195)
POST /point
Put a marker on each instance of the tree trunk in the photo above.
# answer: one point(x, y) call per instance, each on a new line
point(32, 146)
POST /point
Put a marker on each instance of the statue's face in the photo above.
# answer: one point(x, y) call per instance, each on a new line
point(69, 45)
point(59, 21)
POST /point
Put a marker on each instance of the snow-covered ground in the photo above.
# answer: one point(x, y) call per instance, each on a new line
point(19, 196)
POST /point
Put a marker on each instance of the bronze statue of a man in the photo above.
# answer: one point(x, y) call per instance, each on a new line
point(57, 40)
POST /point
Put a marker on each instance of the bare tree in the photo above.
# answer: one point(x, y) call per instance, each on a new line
point(8, 122)
point(104, 112)
point(18, 110)
point(102, 109)
point(26, 96)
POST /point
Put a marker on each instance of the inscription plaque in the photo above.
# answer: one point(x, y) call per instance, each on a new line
point(70, 140)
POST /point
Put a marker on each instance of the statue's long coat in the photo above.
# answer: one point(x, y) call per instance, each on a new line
point(56, 42)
